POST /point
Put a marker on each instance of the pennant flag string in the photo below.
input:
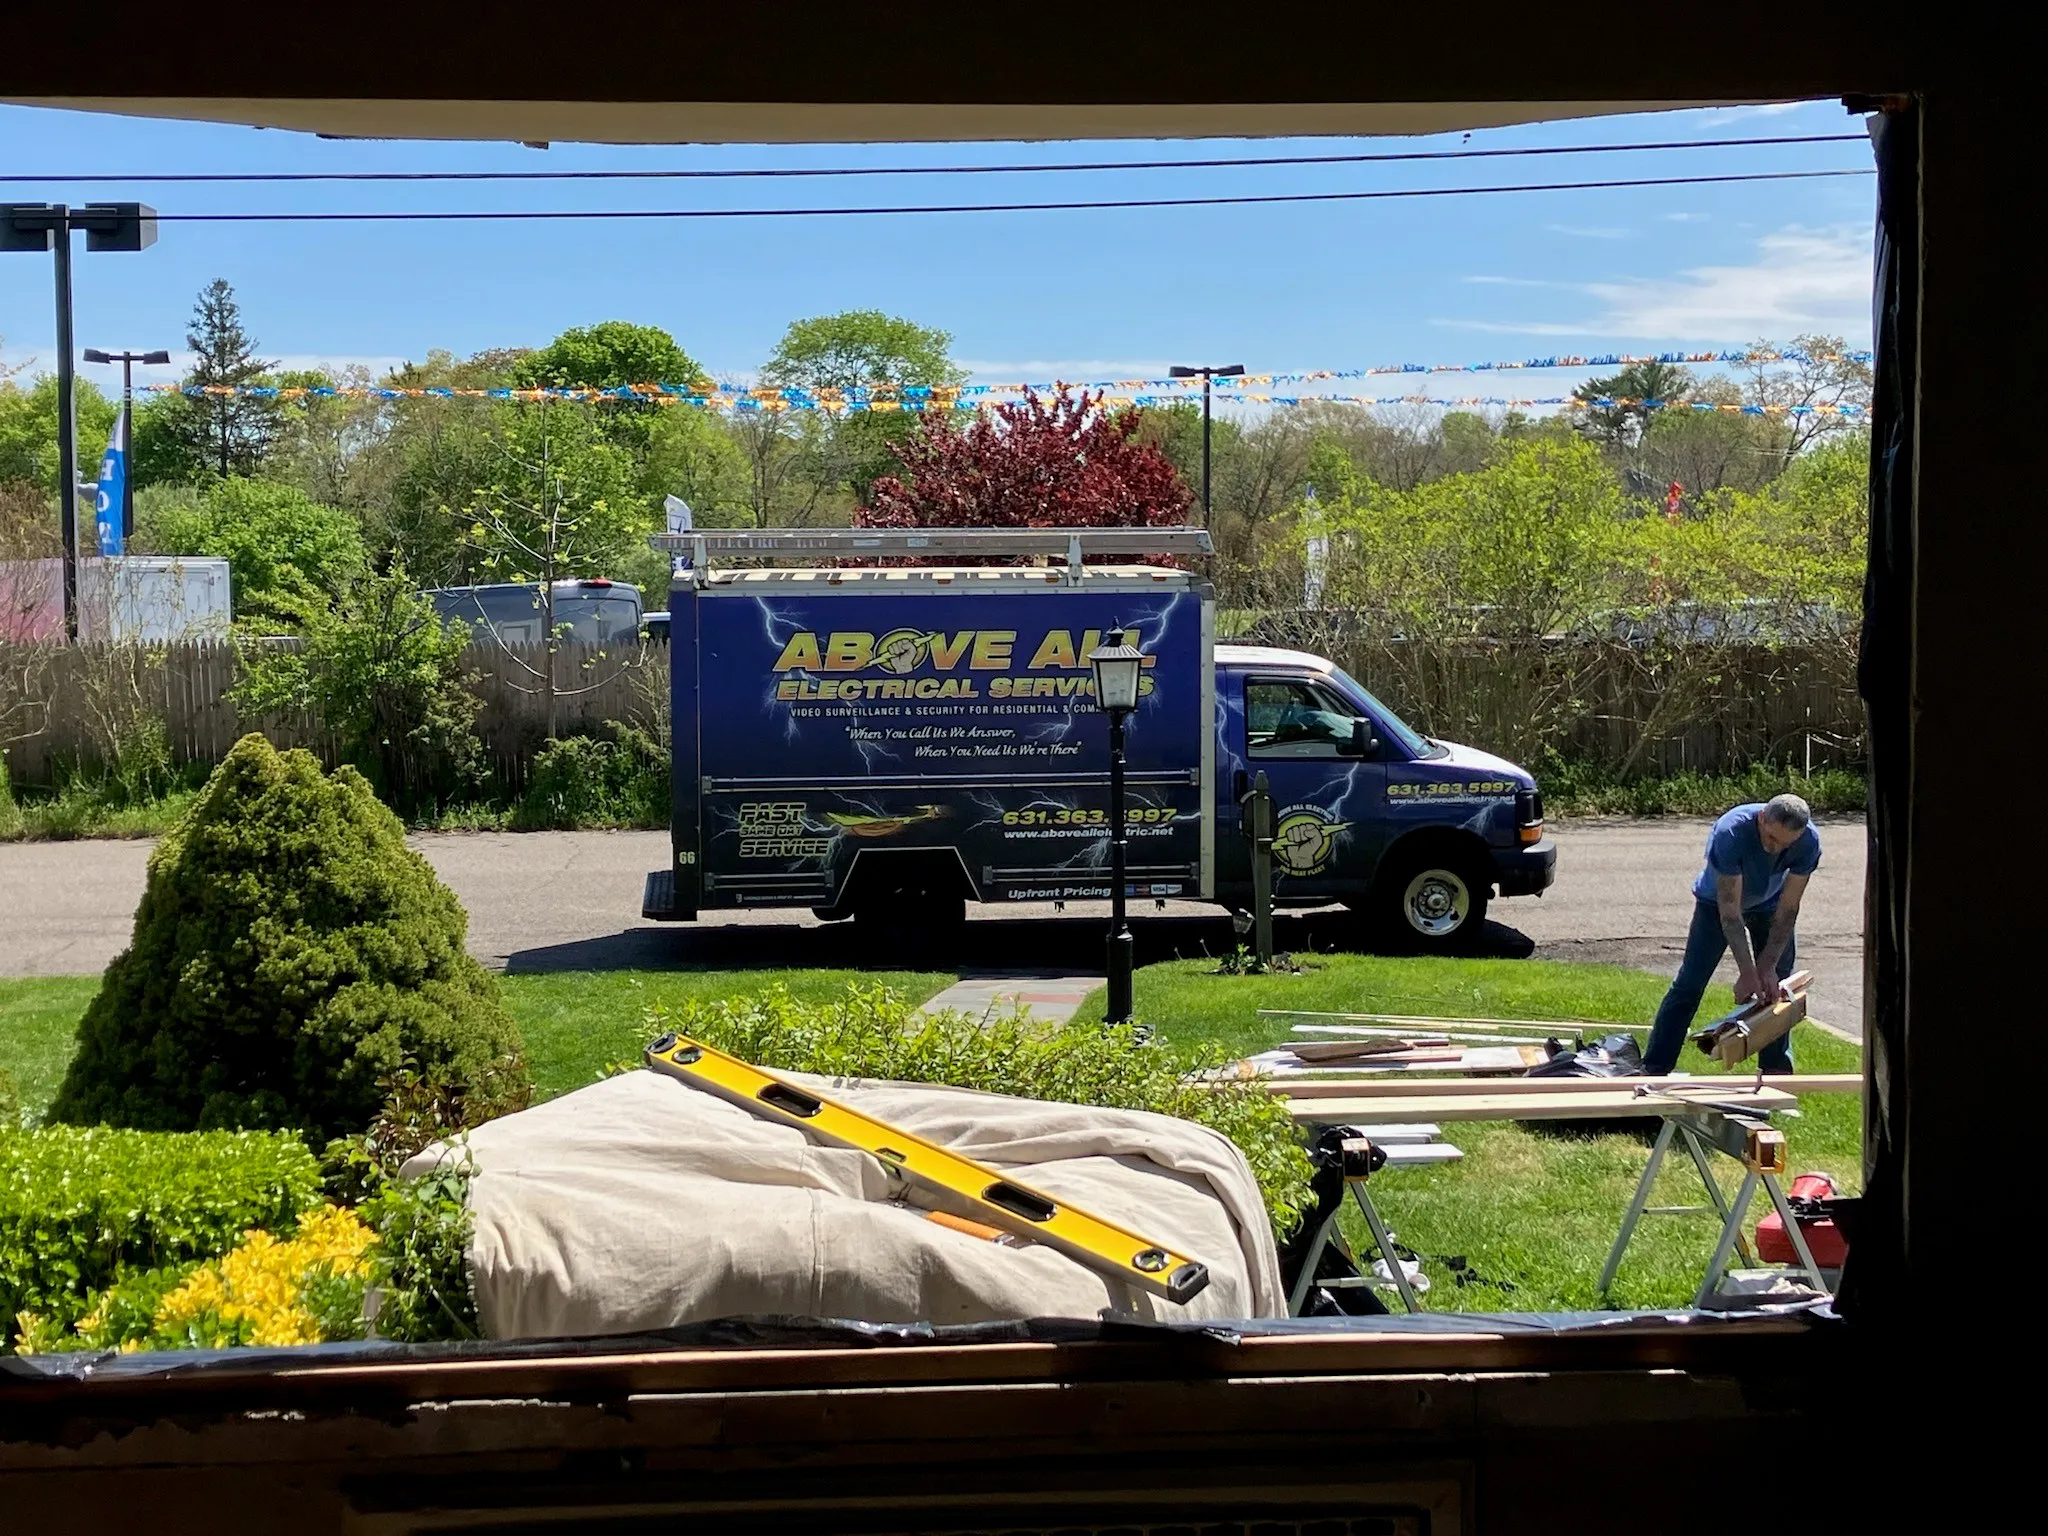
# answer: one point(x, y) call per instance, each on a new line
point(1157, 392)
point(834, 402)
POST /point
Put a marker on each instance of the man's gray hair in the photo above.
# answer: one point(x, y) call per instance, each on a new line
point(1790, 812)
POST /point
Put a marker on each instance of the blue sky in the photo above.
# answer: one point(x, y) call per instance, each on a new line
point(1080, 294)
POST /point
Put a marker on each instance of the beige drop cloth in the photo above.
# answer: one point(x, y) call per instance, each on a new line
point(641, 1202)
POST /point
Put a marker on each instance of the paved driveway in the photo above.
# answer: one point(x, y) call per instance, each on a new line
point(571, 901)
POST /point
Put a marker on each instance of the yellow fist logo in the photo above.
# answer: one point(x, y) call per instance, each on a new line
point(902, 651)
point(1304, 842)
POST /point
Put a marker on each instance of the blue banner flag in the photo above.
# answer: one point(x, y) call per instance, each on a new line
point(112, 488)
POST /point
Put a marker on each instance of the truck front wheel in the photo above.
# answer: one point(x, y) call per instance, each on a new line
point(1436, 900)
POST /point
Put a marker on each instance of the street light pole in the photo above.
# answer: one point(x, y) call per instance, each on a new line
point(127, 360)
point(48, 227)
point(1208, 374)
point(1118, 666)
point(67, 419)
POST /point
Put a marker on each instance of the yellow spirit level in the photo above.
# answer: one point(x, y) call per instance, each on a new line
point(1101, 1245)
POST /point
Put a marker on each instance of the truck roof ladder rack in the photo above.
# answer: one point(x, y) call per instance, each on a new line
point(702, 546)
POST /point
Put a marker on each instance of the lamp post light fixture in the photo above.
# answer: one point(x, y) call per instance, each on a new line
point(1222, 371)
point(127, 360)
point(48, 227)
point(1117, 666)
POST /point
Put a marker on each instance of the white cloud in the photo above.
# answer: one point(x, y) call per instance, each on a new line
point(1514, 282)
point(1513, 327)
point(1802, 279)
point(1716, 118)
point(1589, 234)
point(34, 359)
point(1688, 218)
point(1074, 369)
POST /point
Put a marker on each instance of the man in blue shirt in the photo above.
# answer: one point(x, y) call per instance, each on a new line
point(1746, 899)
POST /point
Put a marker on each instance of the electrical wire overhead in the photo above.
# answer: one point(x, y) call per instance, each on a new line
point(404, 216)
point(1009, 169)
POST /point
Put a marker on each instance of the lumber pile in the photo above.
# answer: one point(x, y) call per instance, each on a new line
point(1396, 1052)
point(1618, 1098)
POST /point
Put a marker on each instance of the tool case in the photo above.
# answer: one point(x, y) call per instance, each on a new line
point(1813, 1202)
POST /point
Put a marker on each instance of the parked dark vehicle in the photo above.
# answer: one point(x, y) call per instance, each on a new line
point(595, 610)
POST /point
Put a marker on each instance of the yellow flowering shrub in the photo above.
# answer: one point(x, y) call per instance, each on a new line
point(267, 1291)
point(272, 1292)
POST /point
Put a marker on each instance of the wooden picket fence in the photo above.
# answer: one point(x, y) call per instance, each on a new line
point(79, 699)
point(1707, 709)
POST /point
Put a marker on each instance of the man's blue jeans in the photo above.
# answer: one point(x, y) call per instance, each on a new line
point(1705, 944)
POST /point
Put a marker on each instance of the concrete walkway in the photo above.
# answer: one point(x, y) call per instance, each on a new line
point(1049, 995)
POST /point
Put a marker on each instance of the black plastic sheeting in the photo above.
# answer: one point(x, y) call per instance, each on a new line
point(1884, 678)
point(828, 1333)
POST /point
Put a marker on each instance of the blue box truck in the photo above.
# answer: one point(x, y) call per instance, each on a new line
point(887, 742)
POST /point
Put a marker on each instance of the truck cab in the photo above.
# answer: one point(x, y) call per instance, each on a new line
point(1367, 810)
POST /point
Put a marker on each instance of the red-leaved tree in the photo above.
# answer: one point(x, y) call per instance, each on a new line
point(1059, 463)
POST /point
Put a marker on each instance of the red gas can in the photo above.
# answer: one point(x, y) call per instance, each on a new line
point(1823, 1238)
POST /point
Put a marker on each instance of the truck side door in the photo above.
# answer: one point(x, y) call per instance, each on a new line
point(1327, 800)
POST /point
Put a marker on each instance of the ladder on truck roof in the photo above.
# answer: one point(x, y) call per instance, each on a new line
point(701, 546)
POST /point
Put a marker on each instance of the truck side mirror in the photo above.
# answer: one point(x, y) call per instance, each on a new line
point(1363, 742)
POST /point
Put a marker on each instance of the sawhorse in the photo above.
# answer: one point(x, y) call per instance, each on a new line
point(1409, 1147)
point(1703, 1128)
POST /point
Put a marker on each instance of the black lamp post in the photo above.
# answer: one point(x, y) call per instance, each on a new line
point(1117, 665)
point(48, 227)
point(127, 360)
point(1225, 371)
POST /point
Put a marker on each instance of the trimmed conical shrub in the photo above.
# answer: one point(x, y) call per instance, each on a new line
point(290, 955)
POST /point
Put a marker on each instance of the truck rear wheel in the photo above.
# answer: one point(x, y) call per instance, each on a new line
point(1435, 899)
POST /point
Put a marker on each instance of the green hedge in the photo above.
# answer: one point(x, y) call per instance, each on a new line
point(83, 1208)
point(874, 1033)
point(619, 779)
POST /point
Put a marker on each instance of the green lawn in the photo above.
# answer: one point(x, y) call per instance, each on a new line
point(573, 1022)
point(1534, 1207)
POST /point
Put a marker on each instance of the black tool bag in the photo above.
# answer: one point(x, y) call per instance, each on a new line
point(1612, 1056)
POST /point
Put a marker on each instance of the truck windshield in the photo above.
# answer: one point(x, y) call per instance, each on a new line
point(1404, 735)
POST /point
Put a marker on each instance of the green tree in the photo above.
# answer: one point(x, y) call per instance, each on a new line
point(381, 672)
point(225, 434)
point(1810, 390)
point(859, 348)
point(563, 503)
point(327, 445)
point(28, 431)
point(1621, 426)
point(607, 355)
point(291, 955)
point(693, 455)
point(288, 556)
point(1707, 450)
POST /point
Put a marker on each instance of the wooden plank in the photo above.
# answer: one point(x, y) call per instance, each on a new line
point(1402, 1133)
point(1410, 1156)
point(1748, 1029)
point(1462, 1037)
point(1582, 1106)
point(1397, 1022)
point(1621, 1087)
point(1351, 1050)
